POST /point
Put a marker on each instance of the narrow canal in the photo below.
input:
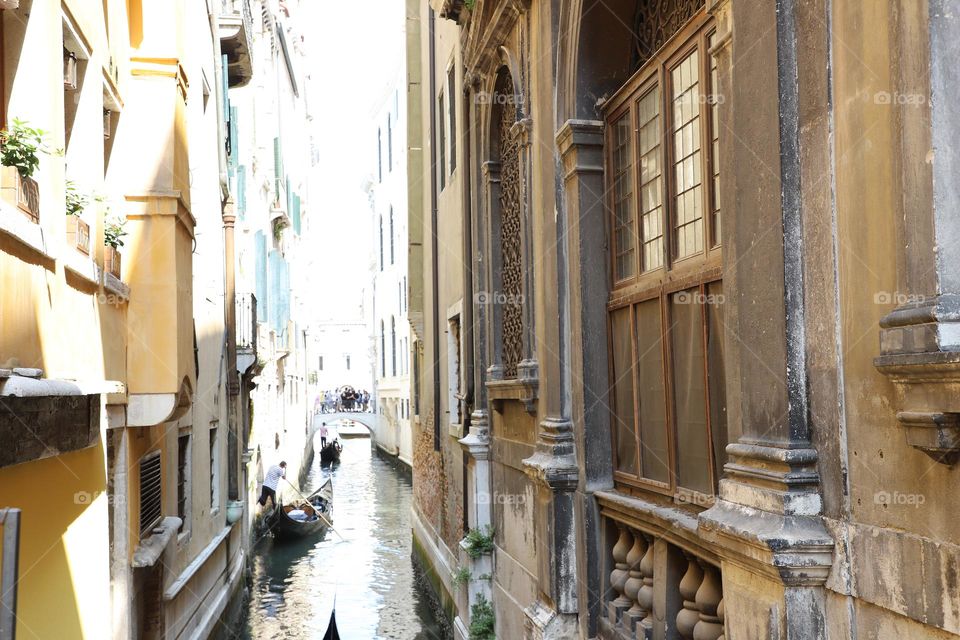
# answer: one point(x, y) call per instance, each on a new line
point(369, 572)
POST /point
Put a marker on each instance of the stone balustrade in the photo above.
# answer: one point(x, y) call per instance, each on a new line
point(654, 583)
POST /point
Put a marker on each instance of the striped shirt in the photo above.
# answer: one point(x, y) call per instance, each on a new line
point(273, 477)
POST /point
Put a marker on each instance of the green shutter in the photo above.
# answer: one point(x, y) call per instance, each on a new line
point(241, 191)
point(234, 139)
point(277, 168)
point(296, 213)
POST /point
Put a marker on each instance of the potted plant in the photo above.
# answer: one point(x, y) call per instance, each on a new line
point(113, 233)
point(78, 231)
point(20, 146)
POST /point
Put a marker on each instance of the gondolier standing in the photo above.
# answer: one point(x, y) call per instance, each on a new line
point(323, 434)
point(269, 490)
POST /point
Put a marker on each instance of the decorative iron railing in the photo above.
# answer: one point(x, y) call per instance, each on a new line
point(246, 321)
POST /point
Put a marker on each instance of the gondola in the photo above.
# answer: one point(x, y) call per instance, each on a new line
point(304, 517)
point(332, 633)
point(330, 454)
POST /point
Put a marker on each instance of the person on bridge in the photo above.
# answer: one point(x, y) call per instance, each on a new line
point(323, 434)
point(270, 483)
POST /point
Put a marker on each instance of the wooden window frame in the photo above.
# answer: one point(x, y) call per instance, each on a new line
point(698, 271)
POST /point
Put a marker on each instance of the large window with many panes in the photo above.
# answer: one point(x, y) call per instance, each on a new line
point(665, 310)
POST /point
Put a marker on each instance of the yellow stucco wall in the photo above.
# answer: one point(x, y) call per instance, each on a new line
point(64, 558)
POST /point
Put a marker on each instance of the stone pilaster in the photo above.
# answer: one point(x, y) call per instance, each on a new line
point(920, 339)
point(493, 324)
point(527, 368)
point(767, 515)
point(580, 174)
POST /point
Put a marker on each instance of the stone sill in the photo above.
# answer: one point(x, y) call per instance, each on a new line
point(518, 389)
point(674, 524)
point(15, 224)
point(115, 286)
point(83, 267)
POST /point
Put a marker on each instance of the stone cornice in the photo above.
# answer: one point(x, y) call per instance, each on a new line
point(482, 36)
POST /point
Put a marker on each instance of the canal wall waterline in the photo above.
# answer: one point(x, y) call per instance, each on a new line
point(432, 566)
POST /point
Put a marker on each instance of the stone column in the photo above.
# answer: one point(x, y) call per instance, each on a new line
point(493, 325)
point(527, 368)
point(581, 208)
point(920, 339)
point(479, 199)
point(767, 515)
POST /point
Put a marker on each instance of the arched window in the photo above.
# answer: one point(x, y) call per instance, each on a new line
point(393, 344)
point(665, 305)
point(383, 350)
point(381, 243)
point(511, 246)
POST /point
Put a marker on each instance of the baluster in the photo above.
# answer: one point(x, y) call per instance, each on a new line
point(618, 577)
point(635, 581)
point(645, 596)
point(688, 617)
point(709, 596)
point(723, 619)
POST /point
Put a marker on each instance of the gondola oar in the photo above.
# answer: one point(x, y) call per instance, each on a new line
point(329, 524)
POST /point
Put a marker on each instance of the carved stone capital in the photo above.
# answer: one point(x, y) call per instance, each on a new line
point(477, 442)
point(490, 171)
point(722, 13)
point(580, 143)
point(554, 462)
point(521, 131)
point(920, 354)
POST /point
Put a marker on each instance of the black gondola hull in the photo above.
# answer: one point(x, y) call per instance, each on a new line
point(330, 454)
point(283, 526)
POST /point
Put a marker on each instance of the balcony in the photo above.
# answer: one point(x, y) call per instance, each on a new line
point(236, 41)
point(246, 331)
point(657, 589)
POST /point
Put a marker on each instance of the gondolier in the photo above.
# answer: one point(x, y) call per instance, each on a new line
point(270, 482)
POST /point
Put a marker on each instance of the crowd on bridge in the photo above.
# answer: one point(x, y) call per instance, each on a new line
point(344, 398)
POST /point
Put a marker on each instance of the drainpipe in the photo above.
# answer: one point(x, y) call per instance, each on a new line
point(466, 231)
point(233, 379)
point(229, 283)
point(434, 248)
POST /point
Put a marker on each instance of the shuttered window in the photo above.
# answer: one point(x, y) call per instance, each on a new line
point(150, 492)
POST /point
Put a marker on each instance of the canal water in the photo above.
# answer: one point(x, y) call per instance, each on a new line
point(369, 572)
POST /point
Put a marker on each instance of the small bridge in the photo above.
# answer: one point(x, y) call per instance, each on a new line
point(370, 420)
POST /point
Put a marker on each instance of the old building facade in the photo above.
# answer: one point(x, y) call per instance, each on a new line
point(120, 402)
point(390, 327)
point(700, 254)
point(268, 164)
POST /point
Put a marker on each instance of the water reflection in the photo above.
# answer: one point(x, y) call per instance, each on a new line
point(369, 572)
